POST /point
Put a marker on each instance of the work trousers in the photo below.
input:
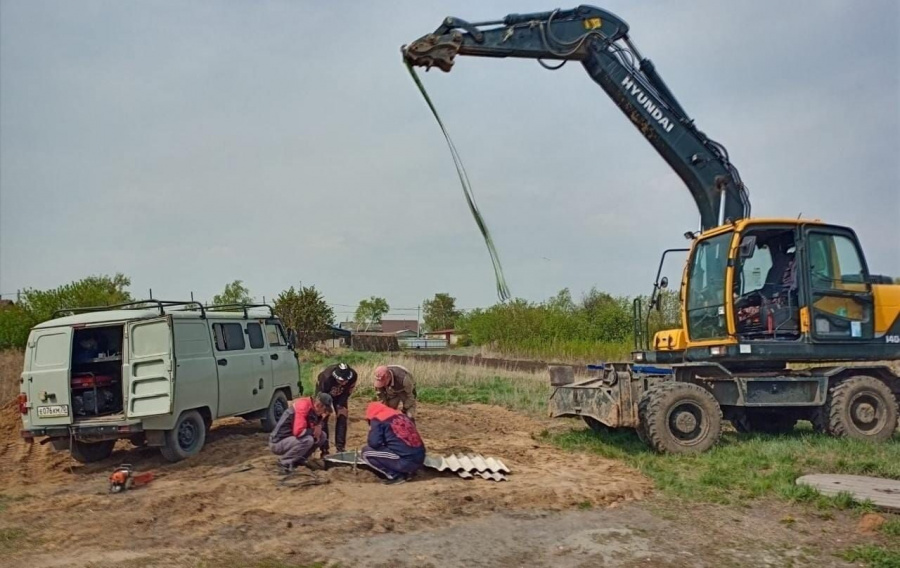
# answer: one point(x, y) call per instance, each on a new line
point(340, 425)
point(388, 463)
point(293, 451)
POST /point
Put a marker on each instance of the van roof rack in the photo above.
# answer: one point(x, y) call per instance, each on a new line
point(243, 307)
point(161, 305)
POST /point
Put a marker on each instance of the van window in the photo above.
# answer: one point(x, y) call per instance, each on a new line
point(191, 339)
point(275, 335)
point(254, 332)
point(51, 350)
point(229, 336)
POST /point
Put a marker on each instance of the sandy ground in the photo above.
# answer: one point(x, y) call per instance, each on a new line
point(228, 507)
point(229, 499)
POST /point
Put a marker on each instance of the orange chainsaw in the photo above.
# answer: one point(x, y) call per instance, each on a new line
point(124, 478)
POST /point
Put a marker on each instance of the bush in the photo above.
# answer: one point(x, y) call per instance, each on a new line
point(36, 306)
point(600, 327)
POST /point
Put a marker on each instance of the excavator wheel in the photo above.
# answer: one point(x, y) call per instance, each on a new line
point(859, 407)
point(679, 418)
point(751, 422)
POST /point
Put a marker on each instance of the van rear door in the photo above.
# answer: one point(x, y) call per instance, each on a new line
point(149, 369)
point(47, 379)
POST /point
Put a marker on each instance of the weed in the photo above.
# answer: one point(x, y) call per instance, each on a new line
point(585, 505)
point(891, 526)
point(9, 539)
point(873, 556)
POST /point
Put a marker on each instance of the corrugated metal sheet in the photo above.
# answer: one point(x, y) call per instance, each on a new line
point(468, 466)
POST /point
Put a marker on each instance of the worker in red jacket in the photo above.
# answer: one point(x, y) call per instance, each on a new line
point(394, 447)
point(298, 432)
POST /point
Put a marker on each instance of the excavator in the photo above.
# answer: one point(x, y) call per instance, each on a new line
point(781, 319)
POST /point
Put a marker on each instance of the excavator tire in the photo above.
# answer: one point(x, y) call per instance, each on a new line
point(764, 423)
point(680, 418)
point(860, 408)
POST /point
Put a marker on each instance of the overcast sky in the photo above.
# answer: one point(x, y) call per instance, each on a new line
point(188, 144)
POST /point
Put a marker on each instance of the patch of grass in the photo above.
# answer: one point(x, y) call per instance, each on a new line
point(10, 539)
point(891, 526)
point(444, 383)
point(746, 467)
point(873, 556)
point(585, 505)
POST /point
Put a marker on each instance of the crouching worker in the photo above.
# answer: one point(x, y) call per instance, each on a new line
point(299, 431)
point(394, 447)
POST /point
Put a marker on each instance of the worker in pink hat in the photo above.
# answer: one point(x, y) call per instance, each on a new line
point(394, 386)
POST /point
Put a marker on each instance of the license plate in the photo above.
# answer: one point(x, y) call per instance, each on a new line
point(53, 411)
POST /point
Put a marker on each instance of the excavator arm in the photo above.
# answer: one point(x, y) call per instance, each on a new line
point(599, 41)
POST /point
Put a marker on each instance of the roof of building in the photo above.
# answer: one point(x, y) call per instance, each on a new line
point(393, 326)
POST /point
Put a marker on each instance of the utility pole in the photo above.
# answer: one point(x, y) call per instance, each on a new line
point(418, 317)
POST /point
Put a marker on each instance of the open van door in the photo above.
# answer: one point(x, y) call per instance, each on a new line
point(48, 364)
point(150, 368)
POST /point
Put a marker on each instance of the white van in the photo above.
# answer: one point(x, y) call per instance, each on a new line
point(155, 372)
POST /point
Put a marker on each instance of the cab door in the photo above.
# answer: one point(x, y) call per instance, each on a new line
point(149, 368)
point(47, 378)
point(261, 377)
point(839, 292)
point(284, 363)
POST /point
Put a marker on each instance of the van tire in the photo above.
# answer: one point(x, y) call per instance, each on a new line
point(186, 439)
point(90, 452)
point(277, 406)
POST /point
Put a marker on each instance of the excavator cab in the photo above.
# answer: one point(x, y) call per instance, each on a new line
point(776, 290)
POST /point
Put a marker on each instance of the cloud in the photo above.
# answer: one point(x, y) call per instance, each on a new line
point(280, 142)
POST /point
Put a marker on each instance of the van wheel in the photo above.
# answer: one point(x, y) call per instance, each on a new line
point(277, 406)
point(89, 452)
point(186, 439)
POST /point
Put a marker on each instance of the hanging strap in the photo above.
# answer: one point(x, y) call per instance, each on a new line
point(502, 288)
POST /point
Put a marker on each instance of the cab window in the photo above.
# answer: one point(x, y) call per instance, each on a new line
point(833, 261)
point(706, 288)
point(275, 335)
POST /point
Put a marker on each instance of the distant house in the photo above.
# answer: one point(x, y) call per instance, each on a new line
point(390, 327)
point(6, 304)
point(400, 326)
point(449, 335)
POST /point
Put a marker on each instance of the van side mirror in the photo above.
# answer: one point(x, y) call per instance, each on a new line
point(748, 245)
point(292, 338)
point(664, 283)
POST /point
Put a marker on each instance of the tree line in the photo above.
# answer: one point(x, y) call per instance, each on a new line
point(595, 324)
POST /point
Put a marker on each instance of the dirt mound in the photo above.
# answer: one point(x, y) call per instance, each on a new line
point(231, 498)
point(24, 464)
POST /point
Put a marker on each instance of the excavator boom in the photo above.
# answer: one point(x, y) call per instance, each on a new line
point(599, 41)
